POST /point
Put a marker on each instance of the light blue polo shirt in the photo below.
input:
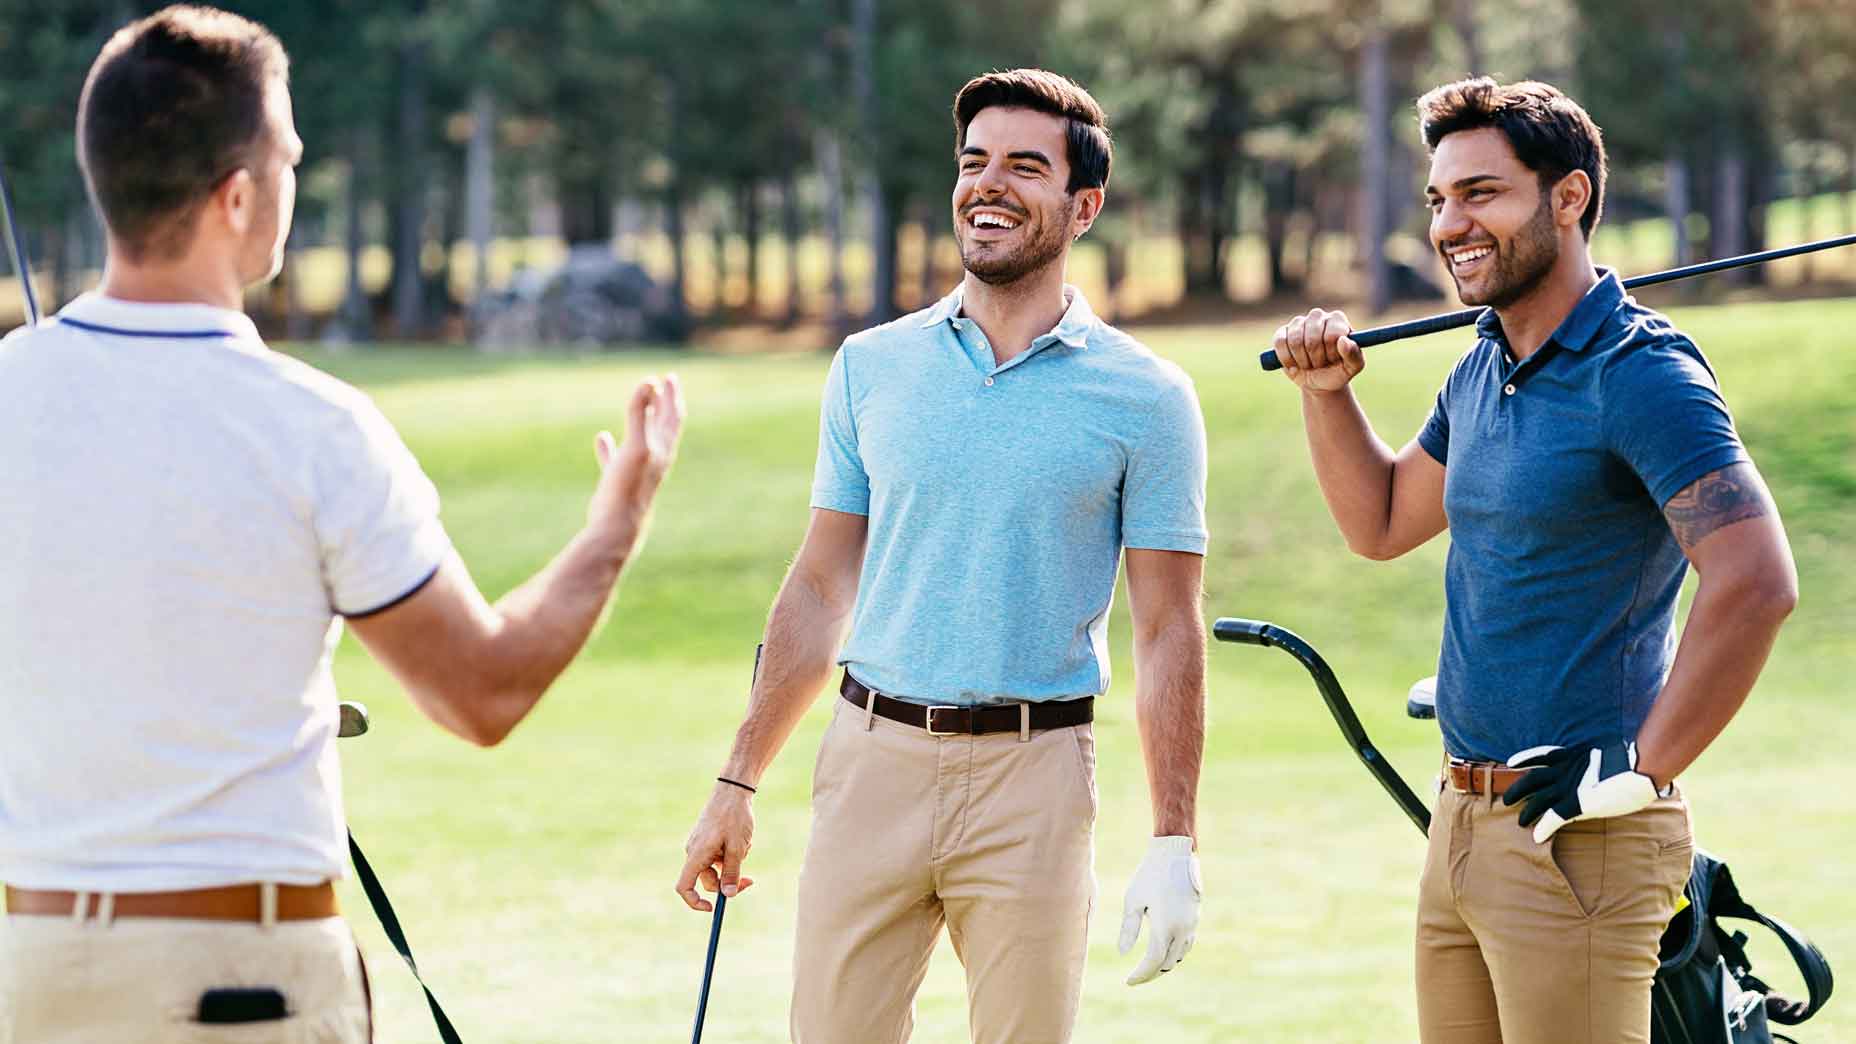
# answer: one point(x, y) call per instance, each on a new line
point(1000, 497)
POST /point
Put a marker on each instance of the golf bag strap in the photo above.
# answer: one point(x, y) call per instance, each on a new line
point(390, 922)
point(1805, 954)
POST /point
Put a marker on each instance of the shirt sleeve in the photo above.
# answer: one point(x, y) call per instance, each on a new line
point(839, 482)
point(1434, 437)
point(1163, 491)
point(1665, 418)
point(376, 516)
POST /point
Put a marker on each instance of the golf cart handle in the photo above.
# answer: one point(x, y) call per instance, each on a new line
point(1244, 632)
point(1268, 635)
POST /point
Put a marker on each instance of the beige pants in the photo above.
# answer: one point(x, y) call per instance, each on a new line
point(1520, 943)
point(990, 835)
point(140, 980)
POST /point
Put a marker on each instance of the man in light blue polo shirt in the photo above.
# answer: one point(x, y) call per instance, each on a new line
point(982, 466)
point(1582, 457)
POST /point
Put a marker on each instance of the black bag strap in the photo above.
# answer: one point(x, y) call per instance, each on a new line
point(390, 922)
point(1811, 964)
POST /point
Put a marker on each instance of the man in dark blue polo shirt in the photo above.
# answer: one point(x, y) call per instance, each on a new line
point(1582, 458)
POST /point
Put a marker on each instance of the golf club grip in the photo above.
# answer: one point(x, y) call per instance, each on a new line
point(1367, 338)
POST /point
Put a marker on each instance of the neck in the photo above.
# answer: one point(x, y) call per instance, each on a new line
point(1529, 321)
point(185, 280)
point(1014, 314)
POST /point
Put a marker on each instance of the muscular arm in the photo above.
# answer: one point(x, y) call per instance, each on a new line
point(1728, 526)
point(478, 669)
point(1169, 667)
point(1385, 503)
point(797, 654)
point(803, 633)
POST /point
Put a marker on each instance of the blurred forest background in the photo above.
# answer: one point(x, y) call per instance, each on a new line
point(785, 165)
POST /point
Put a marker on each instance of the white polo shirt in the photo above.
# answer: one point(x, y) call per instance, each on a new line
point(185, 516)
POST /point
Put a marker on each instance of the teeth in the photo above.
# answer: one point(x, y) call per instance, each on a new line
point(1467, 256)
point(990, 220)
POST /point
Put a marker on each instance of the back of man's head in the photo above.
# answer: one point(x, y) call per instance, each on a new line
point(173, 104)
point(1550, 133)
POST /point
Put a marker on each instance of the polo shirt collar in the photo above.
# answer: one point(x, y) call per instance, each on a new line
point(94, 312)
point(1072, 329)
point(1580, 326)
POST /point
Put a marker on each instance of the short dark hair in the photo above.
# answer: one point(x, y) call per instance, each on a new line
point(1088, 148)
point(173, 104)
point(1550, 133)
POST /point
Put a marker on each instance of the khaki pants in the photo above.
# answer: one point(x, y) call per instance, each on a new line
point(140, 980)
point(1520, 943)
point(990, 835)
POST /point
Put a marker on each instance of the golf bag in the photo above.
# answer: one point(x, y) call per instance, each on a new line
point(1705, 991)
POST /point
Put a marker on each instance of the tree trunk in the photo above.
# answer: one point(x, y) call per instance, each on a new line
point(877, 197)
point(930, 282)
point(675, 233)
point(1115, 274)
point(481, 185)
point(356, 315)
point(1729, 224)
point(409, 311)
point(1677, 205)
point(791, 229)
point(749, 198)
point(1463, 19)
point(1278, 205)
point(831, 177)
point(1375, 103)
point(718, 263)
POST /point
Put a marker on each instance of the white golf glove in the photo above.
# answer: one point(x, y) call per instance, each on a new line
point(1166, 890)
point(1567, 783)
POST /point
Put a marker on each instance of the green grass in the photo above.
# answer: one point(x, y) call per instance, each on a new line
point(535, 878)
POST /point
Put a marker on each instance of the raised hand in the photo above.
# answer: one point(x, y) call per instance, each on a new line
point(1316, 352)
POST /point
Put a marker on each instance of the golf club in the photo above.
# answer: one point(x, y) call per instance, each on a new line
point(715, 923)
point(1468, 316)
point(18, 250)
point(1256, 632)
point(354, 722)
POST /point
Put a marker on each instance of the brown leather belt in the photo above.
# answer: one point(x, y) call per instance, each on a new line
point(1481, 777)
point(231, 903)
point(970, 721)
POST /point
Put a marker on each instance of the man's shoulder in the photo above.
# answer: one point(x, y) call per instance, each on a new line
point(1641, 344)
point(1118, 351)
point(906, 331)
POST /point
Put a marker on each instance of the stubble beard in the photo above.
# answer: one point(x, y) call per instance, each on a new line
point(1034, 255)
point(1522, 263)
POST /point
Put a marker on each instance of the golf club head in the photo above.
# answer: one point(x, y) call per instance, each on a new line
point(354, 719)
point(1421, 701)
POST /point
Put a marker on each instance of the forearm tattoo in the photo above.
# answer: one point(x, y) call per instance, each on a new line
point(1714, 501)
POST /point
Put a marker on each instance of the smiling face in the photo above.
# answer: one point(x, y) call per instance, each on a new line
point(1013, 212)
point(1491, 219)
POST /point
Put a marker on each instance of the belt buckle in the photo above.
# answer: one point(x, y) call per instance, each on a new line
point(932, 731)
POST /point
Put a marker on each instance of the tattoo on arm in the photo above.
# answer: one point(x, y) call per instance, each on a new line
point(1714, 501)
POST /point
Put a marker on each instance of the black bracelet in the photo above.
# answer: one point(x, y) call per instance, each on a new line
point(732, 783)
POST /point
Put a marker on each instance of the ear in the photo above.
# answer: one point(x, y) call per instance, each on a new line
point(1088, 207)
point(1571, 196)
point(235, 200)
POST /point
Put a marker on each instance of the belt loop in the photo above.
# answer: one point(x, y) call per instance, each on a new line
point(1488, 782)
point(80, 908)
point(1024, 723)
point(106, 909)
point(869, 709)
point(267, 905)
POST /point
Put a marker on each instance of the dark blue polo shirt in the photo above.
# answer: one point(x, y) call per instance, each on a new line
point(1561, 583)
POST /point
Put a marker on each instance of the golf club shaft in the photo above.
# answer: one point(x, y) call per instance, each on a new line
point(18, 249)
point(708, 968)
point(1467, 316)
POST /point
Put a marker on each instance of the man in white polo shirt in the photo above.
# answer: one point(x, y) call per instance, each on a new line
point(186, 518)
